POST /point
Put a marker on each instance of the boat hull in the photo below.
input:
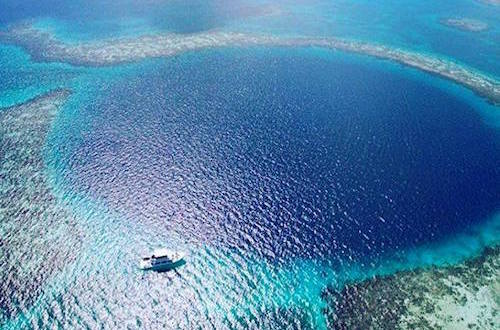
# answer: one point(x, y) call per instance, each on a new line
point(161, 267)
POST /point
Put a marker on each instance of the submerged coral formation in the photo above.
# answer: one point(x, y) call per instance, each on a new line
point(45, 47)
point(464, 296)
point(29, 211)
point(466, 24)
point(490, 2)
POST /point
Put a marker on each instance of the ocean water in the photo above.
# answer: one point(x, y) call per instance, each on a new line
point(308, 155)
point(280, 171)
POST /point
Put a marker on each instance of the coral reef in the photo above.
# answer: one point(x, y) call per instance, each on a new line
point(37, 233)
point(463, 296)
point(45, 47)
point(465, 24)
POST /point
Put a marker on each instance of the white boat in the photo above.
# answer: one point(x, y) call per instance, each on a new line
point(161, 260)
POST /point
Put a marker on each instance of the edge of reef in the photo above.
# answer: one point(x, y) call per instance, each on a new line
point(38, 234)
point(44, 46)
point(461, 296)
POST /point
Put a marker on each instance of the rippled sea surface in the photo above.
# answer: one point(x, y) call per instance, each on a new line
point(286, 154)
point(280, 171)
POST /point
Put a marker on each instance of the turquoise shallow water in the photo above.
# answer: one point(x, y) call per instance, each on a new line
point(279, 171)
point(23, 80)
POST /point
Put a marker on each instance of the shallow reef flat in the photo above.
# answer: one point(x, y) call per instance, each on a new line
point(465, 24)
point(463, 296)
point(45, 47)
point(37, 233)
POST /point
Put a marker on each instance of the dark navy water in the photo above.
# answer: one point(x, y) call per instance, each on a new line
point(288, 154)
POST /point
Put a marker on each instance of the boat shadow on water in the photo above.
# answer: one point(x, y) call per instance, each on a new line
point(169, 269)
